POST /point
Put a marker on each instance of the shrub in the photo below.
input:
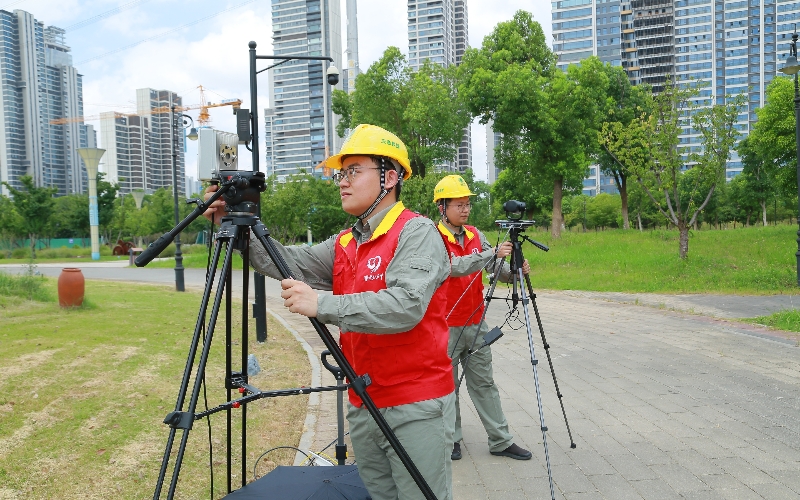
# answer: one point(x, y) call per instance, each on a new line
point(27, 286)
point(20, 253)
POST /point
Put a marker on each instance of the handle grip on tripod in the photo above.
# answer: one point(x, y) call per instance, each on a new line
point(155, 248)
point(335, 370)
point(540, 246)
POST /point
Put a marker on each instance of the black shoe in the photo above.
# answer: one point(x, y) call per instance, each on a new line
point(514, 452)
point(456, 455)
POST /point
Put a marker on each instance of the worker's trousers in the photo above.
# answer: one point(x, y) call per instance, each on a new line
point(425, 429)
point(480, 383)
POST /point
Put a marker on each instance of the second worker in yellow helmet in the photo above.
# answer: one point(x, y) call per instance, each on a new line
point(470, 252)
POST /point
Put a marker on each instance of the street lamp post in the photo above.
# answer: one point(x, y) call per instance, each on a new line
point(792, 68)
point(91, 159)
point(332, 77)
point(187, 122)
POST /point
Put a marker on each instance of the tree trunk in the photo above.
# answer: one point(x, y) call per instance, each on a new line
point(748, 220)
point(558, 217)
point(32, 237)
point(683, 245)
point(639, 220)
point(623, 195)
point(764, 212)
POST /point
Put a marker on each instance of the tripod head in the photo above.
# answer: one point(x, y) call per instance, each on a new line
point(241, 192)
point(243, 195)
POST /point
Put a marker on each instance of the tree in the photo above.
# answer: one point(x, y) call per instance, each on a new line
point(758, 175)
point(552, 116)
point(10, 221)
point(769, 153)
point(71, 216)
point(35, 207)
point(649, 148)
point(602, 211)
point(107, 204)
point(422, 108)
point(302, 202)
point(624, 103)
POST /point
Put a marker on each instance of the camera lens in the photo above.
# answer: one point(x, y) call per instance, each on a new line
point(514, 206)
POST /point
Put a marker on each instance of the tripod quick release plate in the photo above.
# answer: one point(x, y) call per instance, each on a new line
point(514, 223)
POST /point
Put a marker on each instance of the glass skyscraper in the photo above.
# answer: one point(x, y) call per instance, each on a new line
point(300, 128)
point(38, 84)
point(732, 47)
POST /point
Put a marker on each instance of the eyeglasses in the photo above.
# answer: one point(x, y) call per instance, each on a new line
point(350, 173)
point(463, 207)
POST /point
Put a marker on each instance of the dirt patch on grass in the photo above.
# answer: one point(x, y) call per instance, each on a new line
point(25, 363)
point(34, 422)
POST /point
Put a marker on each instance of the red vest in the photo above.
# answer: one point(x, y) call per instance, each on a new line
point(464, 300)
point(404, 367)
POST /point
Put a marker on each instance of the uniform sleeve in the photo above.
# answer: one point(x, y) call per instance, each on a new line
point(313, 265)
point(469, 264)
point(419, 266)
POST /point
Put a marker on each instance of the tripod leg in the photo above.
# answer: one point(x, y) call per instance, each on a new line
point(245, 239)
point(187, 372)
point(229, 368)
point(534, 362)
point(226, 266)
point(549, 359)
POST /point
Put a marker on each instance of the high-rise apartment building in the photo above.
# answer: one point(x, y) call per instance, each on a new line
point(438, 32)
point(38, 84)
point(730, 47)
point(139, 147)
point(299, 120)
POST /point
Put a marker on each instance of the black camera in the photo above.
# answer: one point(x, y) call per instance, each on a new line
point(244, 195)
point(514, 211)
point(514, 206)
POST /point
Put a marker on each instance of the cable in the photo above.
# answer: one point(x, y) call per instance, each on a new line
point(255, 476)
point(98, 17)
point(173, 30)
point(331, 443)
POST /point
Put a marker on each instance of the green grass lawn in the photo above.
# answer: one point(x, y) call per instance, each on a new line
point(788, 320)
point(754, 260)
point(196, 260)
point(83, 393)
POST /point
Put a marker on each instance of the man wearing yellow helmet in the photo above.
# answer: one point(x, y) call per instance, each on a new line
point(470, 253)
point(388, 275)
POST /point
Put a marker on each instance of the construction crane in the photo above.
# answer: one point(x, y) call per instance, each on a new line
point(202, 120)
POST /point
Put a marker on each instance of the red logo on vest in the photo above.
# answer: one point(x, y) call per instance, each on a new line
point(374, 263)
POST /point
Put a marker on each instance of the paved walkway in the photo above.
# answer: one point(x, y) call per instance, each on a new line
point(662, 404)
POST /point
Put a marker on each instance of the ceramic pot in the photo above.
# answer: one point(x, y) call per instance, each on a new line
point(71, 287)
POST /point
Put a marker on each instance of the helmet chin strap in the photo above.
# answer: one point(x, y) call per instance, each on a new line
point(383, 194)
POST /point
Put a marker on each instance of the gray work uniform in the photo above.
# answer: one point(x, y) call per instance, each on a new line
point(478, 368)
point(425, 428)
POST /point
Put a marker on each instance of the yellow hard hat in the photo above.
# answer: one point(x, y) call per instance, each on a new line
point(452, 186)
point(371, 140)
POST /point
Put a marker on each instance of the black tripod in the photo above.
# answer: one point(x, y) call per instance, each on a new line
point(515, 228)
point(242, 192)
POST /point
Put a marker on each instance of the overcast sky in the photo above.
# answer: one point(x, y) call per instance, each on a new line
point(180, 44)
